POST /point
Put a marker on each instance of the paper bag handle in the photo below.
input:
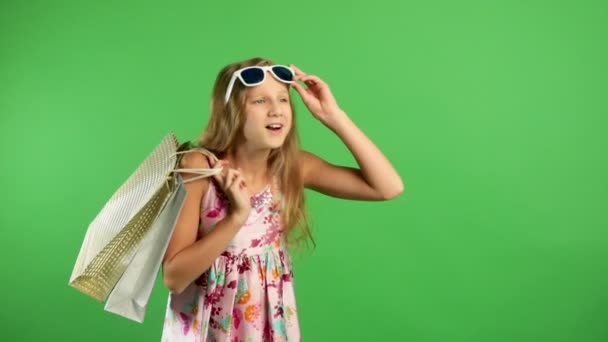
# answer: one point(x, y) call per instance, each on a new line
point(201, 172)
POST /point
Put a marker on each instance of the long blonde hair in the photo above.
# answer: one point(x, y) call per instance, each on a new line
point(223, 131)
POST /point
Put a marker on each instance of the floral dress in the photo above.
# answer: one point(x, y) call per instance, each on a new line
point(247, 294)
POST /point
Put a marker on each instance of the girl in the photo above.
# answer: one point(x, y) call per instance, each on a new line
point(227, 266)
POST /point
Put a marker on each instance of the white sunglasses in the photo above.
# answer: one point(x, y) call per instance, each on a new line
point(254, 75)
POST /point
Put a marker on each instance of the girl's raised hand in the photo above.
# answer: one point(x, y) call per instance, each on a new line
point(317, 97)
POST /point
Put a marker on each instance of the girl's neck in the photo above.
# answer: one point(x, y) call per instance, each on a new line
point(253, 165)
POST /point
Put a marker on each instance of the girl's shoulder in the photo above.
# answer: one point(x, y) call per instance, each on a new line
point(195, 159)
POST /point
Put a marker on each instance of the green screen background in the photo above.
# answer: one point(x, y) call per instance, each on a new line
point(493, 113)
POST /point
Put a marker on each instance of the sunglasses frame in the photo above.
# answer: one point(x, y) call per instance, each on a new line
point(265, 69)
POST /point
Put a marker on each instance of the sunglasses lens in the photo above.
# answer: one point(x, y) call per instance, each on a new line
point(283, 73)
point(252, 76)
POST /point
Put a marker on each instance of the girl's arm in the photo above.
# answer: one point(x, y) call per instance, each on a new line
point(376, 178)
point(186, 257)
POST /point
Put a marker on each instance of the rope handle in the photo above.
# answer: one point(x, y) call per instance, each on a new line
point(201, 172)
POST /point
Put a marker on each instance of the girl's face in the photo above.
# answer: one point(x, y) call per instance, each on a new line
point(268, 114)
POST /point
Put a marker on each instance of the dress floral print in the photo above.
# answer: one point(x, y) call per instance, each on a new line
point(248, 293)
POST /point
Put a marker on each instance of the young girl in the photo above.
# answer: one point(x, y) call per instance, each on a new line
point(227, 266)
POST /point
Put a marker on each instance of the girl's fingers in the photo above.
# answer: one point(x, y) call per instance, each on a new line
point(219, 164)
point(231, 177)
point(238, 182)
point(308, 78)
point(312, 80)
point(297, 70)
point(298, 87)
point(304, 93)
point(219, 178)
point(228, 178)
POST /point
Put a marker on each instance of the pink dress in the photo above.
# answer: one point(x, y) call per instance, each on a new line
point(247, 294)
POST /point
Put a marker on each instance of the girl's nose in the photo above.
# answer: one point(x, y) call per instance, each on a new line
point(275, 110)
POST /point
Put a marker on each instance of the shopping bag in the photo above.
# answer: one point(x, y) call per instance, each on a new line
point(120, 257)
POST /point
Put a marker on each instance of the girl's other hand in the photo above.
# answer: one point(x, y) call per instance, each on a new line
point(233, 185)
